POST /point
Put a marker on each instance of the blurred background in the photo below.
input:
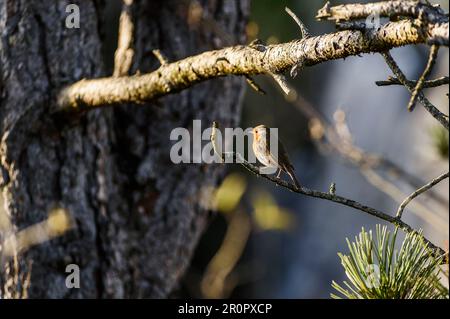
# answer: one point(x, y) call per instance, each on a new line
point(267, 242)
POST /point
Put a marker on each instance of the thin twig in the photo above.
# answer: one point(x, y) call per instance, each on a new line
point(161, 58)
point(325, 135)
point(123, 56)
point(280, 79)
point(438, 115)
point(428, 216)
point(431, 61)
point(426, 84)
point(254, 85)
point(354, 155)
point(419, 191)
point(303, 28)
point(333, 198)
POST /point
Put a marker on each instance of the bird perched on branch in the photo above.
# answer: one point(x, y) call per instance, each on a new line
point(261, 148)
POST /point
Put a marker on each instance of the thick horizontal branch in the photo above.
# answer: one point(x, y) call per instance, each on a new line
point(244, 60)
point(390, 9)
point(437, 251)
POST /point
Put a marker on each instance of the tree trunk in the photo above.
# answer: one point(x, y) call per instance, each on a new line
point(137, 216)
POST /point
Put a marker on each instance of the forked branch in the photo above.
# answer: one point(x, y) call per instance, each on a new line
point(427, 84)
point(123, 57)
point(419, 191)
point(330, 196)
point(389, 9)
point(438, 115)
point(245, 60)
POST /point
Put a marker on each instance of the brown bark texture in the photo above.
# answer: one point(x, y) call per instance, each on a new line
point(137, 216)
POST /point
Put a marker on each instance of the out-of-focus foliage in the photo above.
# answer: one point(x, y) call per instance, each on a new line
point(13, 243)
point(228, 195)
point(219, 279)
point(377, 271)
point(270, 216)
point(440, 141)
point(57, 223)
point(221, 275)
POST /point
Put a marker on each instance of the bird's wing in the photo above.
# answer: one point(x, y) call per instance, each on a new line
point(283, 157)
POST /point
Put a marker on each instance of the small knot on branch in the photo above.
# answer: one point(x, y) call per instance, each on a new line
point(324, 12)
point(296, 68)
point(332, 189)
point(258, 45)
point(354, 25)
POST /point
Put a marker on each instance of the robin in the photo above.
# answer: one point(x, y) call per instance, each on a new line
point(261, 148)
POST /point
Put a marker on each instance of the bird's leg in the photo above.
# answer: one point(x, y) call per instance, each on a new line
point(279, 173)
point(294, 179)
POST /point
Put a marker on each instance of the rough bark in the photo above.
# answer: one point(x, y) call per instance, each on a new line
point(137, 216)
point(391, 9)
point(247, 60)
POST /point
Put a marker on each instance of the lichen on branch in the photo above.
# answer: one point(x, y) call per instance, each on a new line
point(390, 9)
point(246, 60)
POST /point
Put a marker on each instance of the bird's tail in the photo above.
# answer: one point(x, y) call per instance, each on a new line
point(294, 179)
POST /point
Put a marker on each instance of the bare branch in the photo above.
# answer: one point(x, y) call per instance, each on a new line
point(161, 58)
point(282, 82)
point(333, 198)
point(390, 9)
point(123, 56)
point(426, 84)
point(242, 60)
point(329, 137)
point(437, 221)
point(323, 129)
point(419, 191)
point(431, 61)
point(344, 146)
point(254, 85)
point(438, 115)
point(303, 28)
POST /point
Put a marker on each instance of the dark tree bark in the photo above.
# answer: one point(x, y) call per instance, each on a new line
point(137, 216)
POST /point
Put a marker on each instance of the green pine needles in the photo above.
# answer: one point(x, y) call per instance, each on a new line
point(376, 270)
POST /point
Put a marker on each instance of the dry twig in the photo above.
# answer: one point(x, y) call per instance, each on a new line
point(438, 115)
point(123, 56)
point(333, 198)
point(419, 191)
point(419, 85)
point(426, 84)
point(245, 60)
point(390, 9)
